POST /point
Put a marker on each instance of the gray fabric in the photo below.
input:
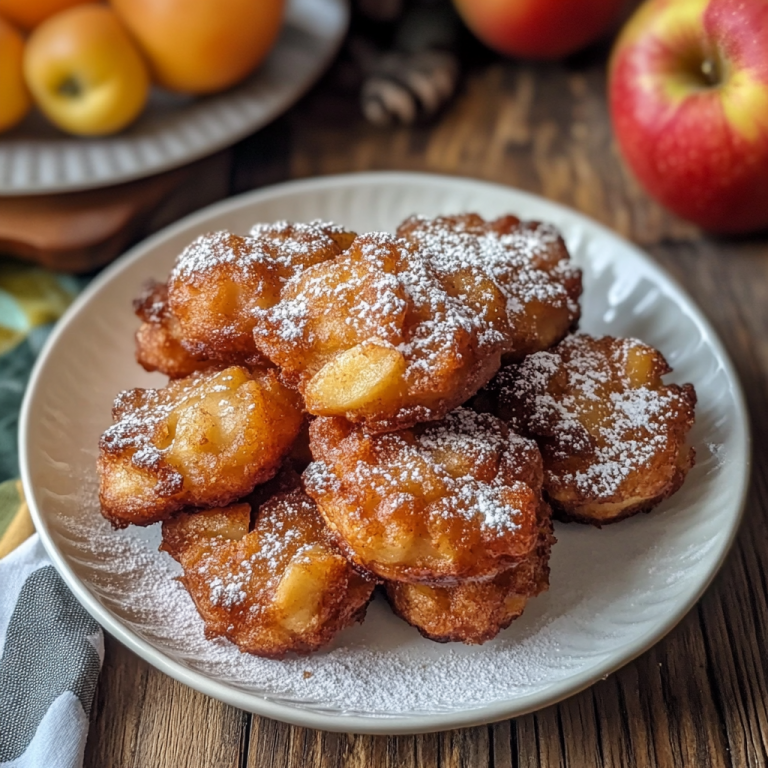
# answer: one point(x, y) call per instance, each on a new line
point(46, 653)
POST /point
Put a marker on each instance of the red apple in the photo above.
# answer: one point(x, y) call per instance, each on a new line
point(538, 29)
point(688, 92)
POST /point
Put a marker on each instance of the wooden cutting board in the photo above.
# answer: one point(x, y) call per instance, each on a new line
point(82, 231)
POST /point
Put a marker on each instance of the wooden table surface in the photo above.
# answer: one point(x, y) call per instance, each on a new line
point(698, 698)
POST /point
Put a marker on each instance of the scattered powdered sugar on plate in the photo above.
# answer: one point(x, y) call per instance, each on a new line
point(381, 667)
point(717, 452)
point(612, 593)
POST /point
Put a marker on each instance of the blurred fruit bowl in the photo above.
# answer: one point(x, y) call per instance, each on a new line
point(88, 65)
point(173, 128)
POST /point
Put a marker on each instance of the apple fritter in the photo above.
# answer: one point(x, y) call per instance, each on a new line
point(277, 588)
point(612, 434)
point(158, 347)
point(202, 441)
point(475, 612)
point(308, 240)
point(221, 279)
point(438, 503)
point(379, 336)
point(526, 260)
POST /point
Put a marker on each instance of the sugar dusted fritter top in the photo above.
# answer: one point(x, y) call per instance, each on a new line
point(378, 335)
point(204, 440)
point(220, 279)
point(527, 261)
point(299, 244)
point(445, 501)
point(276, 587)
point(612, 434)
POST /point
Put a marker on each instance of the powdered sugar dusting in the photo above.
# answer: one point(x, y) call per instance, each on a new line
point(292, 240)
point(280, 249)
point(630, 427)
point(217, 249)
point(475, 440)
point(232, 591)
point(396, 280)
point(279, 541)
point(383, 667)
point(526, 263)
point(468, 434)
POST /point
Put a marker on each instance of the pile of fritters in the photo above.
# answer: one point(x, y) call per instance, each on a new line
point(350, 410)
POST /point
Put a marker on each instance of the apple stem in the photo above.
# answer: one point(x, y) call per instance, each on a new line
point(711, 71)
point(70, 88)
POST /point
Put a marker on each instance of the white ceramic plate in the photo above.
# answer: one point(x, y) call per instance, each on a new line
point(614, 592)
point(36, 158)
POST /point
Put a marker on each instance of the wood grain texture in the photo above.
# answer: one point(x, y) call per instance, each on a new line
point(143, 718)
point(697, 699)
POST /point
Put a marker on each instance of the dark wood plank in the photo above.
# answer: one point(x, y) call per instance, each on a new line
point(730, 279)
point(142, 718)
point(542, 128)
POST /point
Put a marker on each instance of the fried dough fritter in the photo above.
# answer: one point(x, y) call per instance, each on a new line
point(158, 346)
point(203, 440)
point(436, 504)
point(282, 587)
point(303, 244)
point(220, 279)
point(527, 261)
point(475, 612)
point(379, 336)
point(612, 434)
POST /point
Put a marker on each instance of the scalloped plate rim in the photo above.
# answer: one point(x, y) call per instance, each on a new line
point(381, 723)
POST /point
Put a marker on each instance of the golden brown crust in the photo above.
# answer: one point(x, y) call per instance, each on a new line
point(612, 434)
point(280, 588)
point(526, 260)
point(475, 612)
point(158, 347)
point(599, 514)
point(380, 337)
point(204, 440)
point(437, 504)
point(302, 245)
point(221, 279)
point(204, 527)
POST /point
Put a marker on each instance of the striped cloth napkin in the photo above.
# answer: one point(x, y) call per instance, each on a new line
point(51, 650)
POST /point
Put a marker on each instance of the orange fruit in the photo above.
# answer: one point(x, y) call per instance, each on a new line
point(27, 14)
point(85, 72)
point(14, 99)
point(201, 46)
